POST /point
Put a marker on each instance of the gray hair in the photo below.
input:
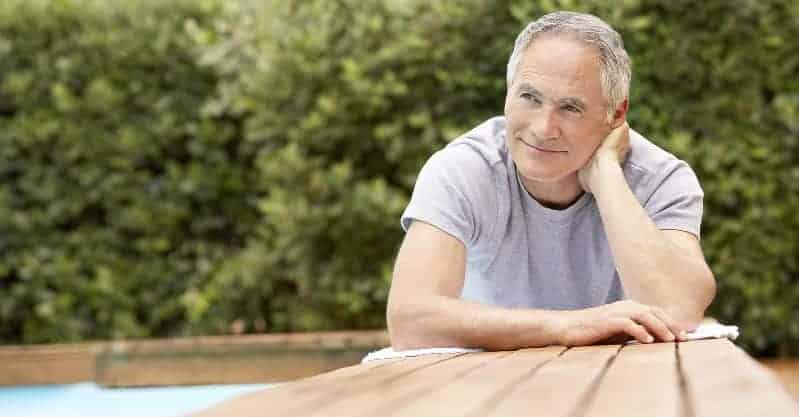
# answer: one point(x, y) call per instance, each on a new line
point(614, 69)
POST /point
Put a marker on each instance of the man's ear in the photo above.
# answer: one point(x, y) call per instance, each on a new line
point(620, 114)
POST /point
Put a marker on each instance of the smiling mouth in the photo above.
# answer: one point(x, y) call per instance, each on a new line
point(541, 149)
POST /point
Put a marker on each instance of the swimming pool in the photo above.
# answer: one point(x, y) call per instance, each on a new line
point(90, 400)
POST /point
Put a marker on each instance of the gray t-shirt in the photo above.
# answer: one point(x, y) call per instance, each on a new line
point(520, 254)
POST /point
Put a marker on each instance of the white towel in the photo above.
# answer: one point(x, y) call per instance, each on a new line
point(707, 330)
point(390, 353)
point(711, 330)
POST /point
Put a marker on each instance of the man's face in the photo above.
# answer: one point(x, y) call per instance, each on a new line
point(555, 110)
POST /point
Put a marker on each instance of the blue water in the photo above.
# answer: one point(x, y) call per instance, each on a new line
point(91, 400)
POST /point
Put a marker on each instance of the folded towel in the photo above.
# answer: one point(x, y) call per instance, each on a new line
point(712, 331)
point(707, 330)
point(390, 353)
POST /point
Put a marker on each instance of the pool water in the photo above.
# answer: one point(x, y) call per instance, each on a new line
point(90, 400)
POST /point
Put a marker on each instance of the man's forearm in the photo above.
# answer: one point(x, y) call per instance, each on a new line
point(440, 321)
point(652, 269)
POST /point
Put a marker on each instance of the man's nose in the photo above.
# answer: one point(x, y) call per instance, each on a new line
point(545, 124)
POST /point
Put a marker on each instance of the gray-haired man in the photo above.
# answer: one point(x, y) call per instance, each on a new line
point(555, 224)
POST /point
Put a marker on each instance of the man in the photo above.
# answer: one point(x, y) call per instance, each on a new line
point(555, 224)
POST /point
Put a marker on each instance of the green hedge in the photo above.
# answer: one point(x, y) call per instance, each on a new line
point(195, 167)
point(120, 191)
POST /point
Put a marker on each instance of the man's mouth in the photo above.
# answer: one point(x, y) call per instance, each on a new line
point(542, 149)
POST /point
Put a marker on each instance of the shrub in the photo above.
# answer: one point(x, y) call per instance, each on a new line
point(176, 168)
point(119, 192)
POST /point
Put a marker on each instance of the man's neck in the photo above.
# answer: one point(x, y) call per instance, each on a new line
point(554, 195)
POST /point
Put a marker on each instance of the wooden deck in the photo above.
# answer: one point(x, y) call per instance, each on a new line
point(187, 361)
point(691, 379)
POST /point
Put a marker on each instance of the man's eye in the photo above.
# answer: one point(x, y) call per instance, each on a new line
point(572, 109)
point(530, 97)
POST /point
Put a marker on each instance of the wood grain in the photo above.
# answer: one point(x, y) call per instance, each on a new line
point(722, 380)
point(309, 395)
point(385, 397)
point(556, 388)
point(464, 395)
point(642, 380)
point(47, 364)
point(691, 379)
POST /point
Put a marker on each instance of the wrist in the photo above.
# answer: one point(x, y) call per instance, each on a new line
point(608, 171)
point(607, 160)
point(542, 328)
point(562, 322)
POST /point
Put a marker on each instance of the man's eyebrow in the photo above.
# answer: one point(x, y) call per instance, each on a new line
point(527, 87)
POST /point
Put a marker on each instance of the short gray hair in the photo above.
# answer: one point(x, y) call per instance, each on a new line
point(614, 69)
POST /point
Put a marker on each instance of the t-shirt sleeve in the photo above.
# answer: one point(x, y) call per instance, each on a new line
point(453, 193)
point(676, 202)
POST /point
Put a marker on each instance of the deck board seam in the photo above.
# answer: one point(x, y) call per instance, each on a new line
point(686, 400)
point(587, 398)
point(338, 395)
point(492, 402)
point(393, 407)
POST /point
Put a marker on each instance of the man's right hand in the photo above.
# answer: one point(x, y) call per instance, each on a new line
point(622, 318)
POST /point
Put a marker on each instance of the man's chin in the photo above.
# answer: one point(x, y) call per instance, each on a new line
point(538, 175)
point(562, 183)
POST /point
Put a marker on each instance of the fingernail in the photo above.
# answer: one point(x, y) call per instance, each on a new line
point(670, 338)
point(650, 339)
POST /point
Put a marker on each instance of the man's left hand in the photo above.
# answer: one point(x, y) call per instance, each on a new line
point(613, 149)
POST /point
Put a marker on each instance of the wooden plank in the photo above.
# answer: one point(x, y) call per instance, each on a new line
point(380, 399)
point(189, 360)
point(464, 395)
point(642, 380)
point(554, 390)
point(47, 364)
point(306, 396)
point(223, 367)
point(722, 380)
point(231, 359)
point(787, 371)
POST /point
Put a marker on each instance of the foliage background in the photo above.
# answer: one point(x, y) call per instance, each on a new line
point(210, 166)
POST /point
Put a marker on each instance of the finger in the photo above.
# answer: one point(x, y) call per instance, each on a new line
point(611, 329)
point(666, 318)
point(617, 339)
point(635, 330)
point(655, 326)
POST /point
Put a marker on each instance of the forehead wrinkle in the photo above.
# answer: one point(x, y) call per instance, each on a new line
point(562, 55)
point(562, 67)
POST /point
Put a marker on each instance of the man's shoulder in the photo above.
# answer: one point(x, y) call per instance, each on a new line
point(648, 161)
point(474, 163)
point(460, 188)
point(651, 170)
point(483, 145)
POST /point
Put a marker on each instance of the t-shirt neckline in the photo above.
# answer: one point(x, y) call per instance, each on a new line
point(554, 215)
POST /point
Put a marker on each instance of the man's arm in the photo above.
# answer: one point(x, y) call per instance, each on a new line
point(664, 268)
point(424, 308)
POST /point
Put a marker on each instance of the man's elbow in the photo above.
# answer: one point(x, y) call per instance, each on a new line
point(407, 326)
point(401, 328)
point(690, 312)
